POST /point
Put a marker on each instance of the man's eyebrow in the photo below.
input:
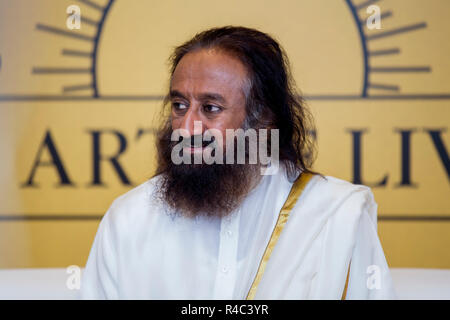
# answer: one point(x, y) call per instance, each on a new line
point(203, 96)
point(176, 94)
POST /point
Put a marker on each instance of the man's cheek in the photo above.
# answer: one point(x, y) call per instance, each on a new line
point(175, 123)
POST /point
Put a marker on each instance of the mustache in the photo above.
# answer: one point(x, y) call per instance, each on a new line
point(195, 141)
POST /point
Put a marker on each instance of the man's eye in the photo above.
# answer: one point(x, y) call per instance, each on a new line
point(179, 106)
point(211, 108)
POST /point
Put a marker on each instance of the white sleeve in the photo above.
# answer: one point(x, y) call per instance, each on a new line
point(369, 276)
point(100, 274)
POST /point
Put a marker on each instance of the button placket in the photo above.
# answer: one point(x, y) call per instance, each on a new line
point(226, 271)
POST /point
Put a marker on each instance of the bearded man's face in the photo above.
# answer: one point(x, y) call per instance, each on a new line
point(208, 86)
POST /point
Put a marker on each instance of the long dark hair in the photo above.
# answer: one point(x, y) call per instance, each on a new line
point(272, 100)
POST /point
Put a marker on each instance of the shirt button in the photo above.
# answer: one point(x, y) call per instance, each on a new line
point(229, 233)
point(224, 269)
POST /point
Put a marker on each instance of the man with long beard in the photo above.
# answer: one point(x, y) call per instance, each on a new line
point(234, 230)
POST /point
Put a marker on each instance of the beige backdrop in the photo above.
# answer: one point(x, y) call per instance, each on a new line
point(71, 99)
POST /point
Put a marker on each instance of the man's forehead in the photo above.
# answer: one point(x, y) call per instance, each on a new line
point(208, 71)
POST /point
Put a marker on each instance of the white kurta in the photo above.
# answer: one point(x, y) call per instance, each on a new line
point(141, 252)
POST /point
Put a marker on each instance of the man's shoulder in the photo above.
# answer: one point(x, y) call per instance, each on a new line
point(133, 211)
point(336, 188)
point(345, 197)
point(138, 199)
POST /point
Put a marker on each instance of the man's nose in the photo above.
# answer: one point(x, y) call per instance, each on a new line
point(192, 122)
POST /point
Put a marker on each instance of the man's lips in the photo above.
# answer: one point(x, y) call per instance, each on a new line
point(196, 144)
point(193, 148)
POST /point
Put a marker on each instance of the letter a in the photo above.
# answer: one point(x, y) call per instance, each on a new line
point(74, 19)
point(374, 20)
